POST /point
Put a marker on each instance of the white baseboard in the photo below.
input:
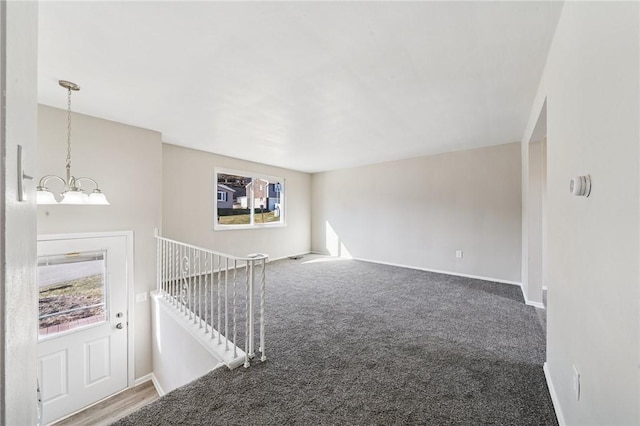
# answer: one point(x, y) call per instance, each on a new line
point(554, 395)
point(156, 384)
point(150, 377)
point(535, 304)
point(291, 255)
point(437, 271)
point(143, 379)
point(538, 305)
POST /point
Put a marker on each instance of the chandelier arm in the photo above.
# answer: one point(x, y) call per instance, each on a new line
point(44, 179)
point(86, 178)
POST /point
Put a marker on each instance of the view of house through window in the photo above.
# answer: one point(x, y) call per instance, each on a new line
point(72, 292)
point(245, 200)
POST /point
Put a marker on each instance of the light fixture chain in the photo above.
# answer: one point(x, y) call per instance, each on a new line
point(69, 130)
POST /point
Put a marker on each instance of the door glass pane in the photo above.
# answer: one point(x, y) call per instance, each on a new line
point(72, 292)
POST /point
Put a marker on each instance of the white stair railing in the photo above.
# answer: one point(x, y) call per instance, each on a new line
point(197, 283)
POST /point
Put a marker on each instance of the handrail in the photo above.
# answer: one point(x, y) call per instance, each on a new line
point(253, 256)
point(190, 281)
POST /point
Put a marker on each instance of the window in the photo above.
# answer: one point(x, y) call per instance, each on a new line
point(247, 200)
point(72, 292)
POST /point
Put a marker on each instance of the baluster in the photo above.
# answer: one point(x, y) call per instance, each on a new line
point(176, 267)
point(174, 255)
point(192, 287)
point(246, 325)
point(262, 302)
point(161, 262)
point(176, 283)
point(226, 304)
point(188, 303)
point(251, 311)
point(213, 262)
point(179, 278)
point(173, 272)
point(219, 299)
point(183, 250)
point(194, 279)
point(158, 262)
point(206, 292)
point(200, 288)
point(170, 283)
point(168, 266)
point(235, 341)
point(164, 268)
point(186, 282)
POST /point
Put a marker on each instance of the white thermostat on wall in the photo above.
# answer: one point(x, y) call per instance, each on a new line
point(580, 186)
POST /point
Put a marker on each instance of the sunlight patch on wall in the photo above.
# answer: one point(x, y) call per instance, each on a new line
point(334, 245)
point(332, 240)
point(344, 253)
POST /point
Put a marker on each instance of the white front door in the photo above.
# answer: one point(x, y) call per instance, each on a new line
point(82, 338)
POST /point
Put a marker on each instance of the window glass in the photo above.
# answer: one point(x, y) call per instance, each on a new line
point(72, 292)
point(248, 200)
point(268, 202)
point(234, 208)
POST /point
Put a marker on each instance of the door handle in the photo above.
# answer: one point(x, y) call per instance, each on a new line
point(119, 326)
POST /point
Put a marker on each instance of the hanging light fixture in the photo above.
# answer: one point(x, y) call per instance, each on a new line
point(73, 191)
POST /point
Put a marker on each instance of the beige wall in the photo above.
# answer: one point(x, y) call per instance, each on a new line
point(591, 86)
point(127, 163)
point(18, 296)
point(189, 187)
point(418, 212)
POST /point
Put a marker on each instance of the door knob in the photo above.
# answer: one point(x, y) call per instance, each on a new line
point(119, 326)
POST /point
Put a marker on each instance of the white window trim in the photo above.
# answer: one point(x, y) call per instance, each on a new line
point(250, 200)
point(224, 198)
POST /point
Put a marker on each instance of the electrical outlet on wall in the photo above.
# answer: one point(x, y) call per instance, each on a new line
point(576, 383)
point(458, 254)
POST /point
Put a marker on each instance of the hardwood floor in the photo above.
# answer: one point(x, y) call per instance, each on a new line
point(113, 408)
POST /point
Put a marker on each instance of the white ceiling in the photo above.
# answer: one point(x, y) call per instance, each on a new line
point(301, 85)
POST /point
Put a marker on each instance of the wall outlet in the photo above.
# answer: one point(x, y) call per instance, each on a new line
point(459, 254)
point(141, 297)
point(576, 383)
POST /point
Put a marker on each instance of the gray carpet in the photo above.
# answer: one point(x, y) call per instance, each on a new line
point(351, 342)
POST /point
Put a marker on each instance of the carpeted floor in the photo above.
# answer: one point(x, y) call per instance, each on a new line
point(350, 342)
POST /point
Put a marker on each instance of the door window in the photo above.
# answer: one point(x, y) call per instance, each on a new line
point(72, 292)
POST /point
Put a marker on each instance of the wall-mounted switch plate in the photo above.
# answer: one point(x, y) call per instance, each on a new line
point(458, 254)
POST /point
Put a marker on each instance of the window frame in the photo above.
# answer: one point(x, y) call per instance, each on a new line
point(250, 200)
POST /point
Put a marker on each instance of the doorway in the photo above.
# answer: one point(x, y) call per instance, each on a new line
point(535, 278)
point(83, 337)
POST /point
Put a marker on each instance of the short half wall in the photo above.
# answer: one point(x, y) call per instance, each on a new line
point(178, 356)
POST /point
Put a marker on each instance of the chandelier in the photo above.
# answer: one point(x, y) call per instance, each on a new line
point(73, 192)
